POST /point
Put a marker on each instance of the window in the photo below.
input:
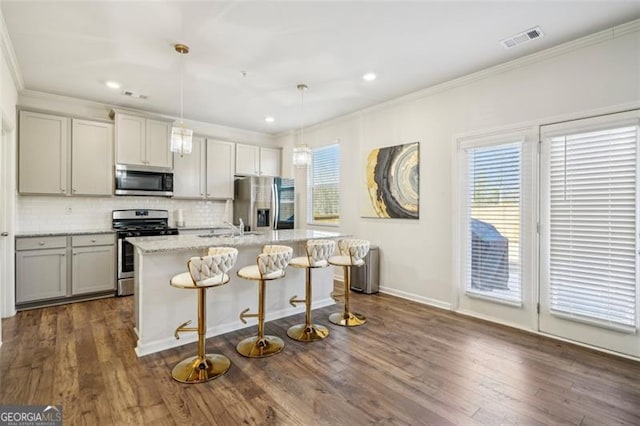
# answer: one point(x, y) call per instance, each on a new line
point(323, 186)
point(592, 231)
point(492, 221)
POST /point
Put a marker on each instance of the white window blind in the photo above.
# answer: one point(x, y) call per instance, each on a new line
point(493, 221)
point(324, 186)
point(593, 225)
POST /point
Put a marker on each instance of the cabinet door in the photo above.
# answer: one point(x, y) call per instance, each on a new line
point(93, 269)
point(41, 274)
point(189, 172)
point(270, 161)
point(220, 156)
point(247, 160)
point(91, 158)
point(130, 139)
point(159, 144)
point(43, 153)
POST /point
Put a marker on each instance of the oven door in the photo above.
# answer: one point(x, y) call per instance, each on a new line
point(125, 259)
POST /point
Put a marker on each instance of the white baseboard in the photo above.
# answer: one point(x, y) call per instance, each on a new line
point(415, 298)
point(163, 344)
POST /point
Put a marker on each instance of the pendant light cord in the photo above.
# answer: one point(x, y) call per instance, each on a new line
point(302, 117)
point(182, 90)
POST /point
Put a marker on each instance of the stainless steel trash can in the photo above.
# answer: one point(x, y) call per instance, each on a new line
point(366, 279)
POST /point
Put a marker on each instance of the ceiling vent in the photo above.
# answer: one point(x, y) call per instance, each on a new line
point(134, 94)
point(523, 37)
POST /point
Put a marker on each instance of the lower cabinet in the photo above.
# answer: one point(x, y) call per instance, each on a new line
point(57, 269)
point(41, 274)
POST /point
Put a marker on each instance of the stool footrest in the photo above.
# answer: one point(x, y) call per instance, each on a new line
point(183, 327)
point(335, 296)
point(294, 300)
point(244, 315)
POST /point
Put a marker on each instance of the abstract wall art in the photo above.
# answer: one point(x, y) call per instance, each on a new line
point(393, 182)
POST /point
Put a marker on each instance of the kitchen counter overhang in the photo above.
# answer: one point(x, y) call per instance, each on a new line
point(160, 308)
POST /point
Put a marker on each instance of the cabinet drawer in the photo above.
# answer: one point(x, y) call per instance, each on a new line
point(92, 240)
point(36, 243)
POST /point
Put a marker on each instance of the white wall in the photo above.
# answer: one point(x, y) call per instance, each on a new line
point(8, 100)
point(598, 73)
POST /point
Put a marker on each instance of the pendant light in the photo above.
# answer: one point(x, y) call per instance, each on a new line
point(181, 137)
point(301, 152)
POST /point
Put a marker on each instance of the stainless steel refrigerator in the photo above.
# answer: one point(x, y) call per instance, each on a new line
point(264, 203)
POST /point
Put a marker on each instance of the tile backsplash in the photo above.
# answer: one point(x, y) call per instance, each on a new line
point(53, 214)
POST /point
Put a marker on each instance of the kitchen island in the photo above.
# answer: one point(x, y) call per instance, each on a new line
point(160, 308)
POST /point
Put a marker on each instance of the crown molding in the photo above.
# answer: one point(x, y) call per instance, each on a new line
point(561, 49)
point(10, 55)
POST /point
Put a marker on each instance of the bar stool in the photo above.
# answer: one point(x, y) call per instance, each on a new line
point(352, 252)
point(270, 265)
point(318, 251)
point(204, 272)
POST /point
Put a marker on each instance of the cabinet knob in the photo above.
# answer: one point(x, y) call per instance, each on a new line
point(62, 190)
point(74, 191)
point(93, 240)
point(75, 254)
point(4, 234)
point(41, 243)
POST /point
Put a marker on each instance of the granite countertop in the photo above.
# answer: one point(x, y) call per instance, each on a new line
point(62, 233)
point(169, 243)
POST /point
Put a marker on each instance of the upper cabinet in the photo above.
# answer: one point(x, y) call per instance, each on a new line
point(205, 173)
point(189, 171)
point(142, 141)
point(91, 158)
point(257, 161)
point(270, 161)
point(220, 160)
point(53, 160)
point(43, 153)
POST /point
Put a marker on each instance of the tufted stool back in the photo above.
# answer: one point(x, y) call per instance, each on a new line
point(218, 262)
point(318, 251)
point(274, 259)
point(356, 249)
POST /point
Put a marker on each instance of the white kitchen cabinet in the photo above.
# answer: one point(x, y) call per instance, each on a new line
point(253, 160)
point(43, 154)
point(131, 133)
point(247, 160)
point(220, 168)
point(41, 268)
point(206, 173)
point(42, 264)
point(142, 141)
point(158, 144)
point(189, 171)
point(93, 269)
point(91, 158)
point(270, 161)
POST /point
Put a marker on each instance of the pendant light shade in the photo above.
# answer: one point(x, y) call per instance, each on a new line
point(181, 137)
point(301, 152)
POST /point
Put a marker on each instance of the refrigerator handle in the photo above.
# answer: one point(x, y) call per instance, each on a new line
point(276, 205)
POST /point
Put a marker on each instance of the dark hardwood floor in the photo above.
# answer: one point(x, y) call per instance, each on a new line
point(410, 364)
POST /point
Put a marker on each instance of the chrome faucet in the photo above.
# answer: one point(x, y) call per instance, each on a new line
point(235, 229)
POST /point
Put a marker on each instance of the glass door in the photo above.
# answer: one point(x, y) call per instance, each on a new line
point(589, 232)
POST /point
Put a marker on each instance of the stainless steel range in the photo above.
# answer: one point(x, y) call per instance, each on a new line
point(136, 223)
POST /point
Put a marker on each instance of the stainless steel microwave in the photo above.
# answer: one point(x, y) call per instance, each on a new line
point(143, 180)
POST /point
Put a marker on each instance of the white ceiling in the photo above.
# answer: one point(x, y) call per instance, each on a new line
point(72, 48)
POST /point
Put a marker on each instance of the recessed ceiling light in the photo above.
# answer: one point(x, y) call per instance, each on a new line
point(269, 119)
point(112, 84)
point(369, 76)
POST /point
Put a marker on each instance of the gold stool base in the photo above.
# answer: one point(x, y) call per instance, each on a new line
point(197, 370)
point(252, 347)
point(302, 333)
point(347, 320)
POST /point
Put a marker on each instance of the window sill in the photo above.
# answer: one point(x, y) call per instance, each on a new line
point(481, 296)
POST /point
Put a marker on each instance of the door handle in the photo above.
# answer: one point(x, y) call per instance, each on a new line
point(4, 234)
